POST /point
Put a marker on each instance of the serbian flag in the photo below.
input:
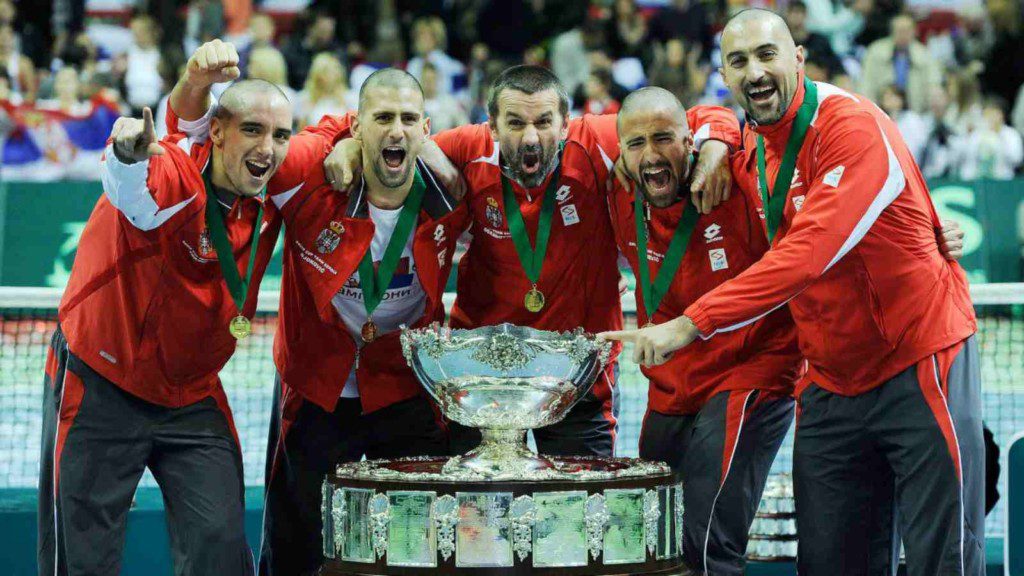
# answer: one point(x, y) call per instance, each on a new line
point(45, 145)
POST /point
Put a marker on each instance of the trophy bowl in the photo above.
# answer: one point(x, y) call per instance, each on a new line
point(504, 380)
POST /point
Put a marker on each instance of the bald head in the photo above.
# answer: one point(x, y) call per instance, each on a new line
point(245, 94)
point(392, 78)
point(760, 63)
point(651, 99)
point(655, 143)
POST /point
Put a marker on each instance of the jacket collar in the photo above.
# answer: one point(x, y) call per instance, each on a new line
point(437, 202)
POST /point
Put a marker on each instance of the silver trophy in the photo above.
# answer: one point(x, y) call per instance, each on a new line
point(502, 508)
point(504, 380)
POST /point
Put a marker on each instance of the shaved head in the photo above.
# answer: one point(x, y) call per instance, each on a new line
point(761, 63)
point(652, 99)
point(389, 78)
point(245, 94)
point(655, 143)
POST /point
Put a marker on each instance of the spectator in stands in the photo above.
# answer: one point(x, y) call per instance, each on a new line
point(911, 124)
point(20, 71)
point(627, 32)
point(429, 42)
point(1004, 69)
point(816, 46)
point(598, 92)
point(262, 32)
point(973, 35)
point(444, 111)
point(1017, 116)
point(268, 64)
point(837, 21)
point(325, 92)
point(317, 35)
point(204, 21)
point(66, 94)
point(509, 26)
point(902, 61)
point(569, 60)
point(964, 113)
point(687, 19)
point(676, 70)
point(993, 150)
point(878, 21)
point(142, 80)
point(937, 159)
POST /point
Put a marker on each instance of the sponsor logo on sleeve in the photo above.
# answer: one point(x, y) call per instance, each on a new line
point(569, 215)
point(798, 202)
point(832, 178)
point(712, 233)
point(718, 259)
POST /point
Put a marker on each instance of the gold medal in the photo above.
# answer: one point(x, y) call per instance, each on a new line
point(534, 299)
point(369, 332)
point(240, 327)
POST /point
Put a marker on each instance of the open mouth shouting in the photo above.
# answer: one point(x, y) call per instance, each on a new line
point(394, 158)
point(258, 169)
point(529, 160)
point(658, 180)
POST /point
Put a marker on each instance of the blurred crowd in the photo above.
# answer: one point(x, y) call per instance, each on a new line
point(950, 74)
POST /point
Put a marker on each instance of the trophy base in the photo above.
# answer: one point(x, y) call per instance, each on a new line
point(582, 516)
point(501, 454)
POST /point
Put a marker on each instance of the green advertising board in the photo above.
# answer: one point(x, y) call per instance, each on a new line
point(40, 224)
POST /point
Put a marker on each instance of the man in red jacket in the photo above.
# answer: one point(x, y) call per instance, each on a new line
point(718, 410)
point(356, 267)
point(163, 286)
point(891, 403)
point(543, 254)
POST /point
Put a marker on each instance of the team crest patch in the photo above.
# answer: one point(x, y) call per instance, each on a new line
point(798, 202)
point(205, 245)
point(718, 259)
point(493, 213)
point(330, 237)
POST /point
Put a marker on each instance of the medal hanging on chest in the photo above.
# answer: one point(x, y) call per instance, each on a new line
point(239, 326)
point(653, 292)
point(531, 257)
point(374, 283)
point(775, 204)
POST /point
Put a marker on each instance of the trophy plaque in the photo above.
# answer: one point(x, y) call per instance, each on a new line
point(501, 509)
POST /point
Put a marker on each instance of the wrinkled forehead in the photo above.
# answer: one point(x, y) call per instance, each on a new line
point(649, 121)
point(529, 107)
point(396, 100)
point(264, 108)
point(746, 36)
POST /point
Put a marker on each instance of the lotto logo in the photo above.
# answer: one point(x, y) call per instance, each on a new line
point(439, 233)
point(563, 193)
point(713, 233)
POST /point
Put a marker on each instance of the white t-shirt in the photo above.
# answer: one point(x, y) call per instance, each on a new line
point(403, 302)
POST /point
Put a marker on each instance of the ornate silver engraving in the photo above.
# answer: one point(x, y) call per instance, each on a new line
point(652, 511)
point(505, 352)
point(522, 514)
point(578, 470)
point(338, 512)
point(596, 518)
point(380, 513)
point(327, 526)
point(446, 515)
point(678, 509)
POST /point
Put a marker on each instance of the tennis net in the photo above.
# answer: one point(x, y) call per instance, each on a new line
point(28, 317)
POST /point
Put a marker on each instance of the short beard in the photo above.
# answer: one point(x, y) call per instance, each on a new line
point(386, 179)
point(515, 169)
point(772, 117)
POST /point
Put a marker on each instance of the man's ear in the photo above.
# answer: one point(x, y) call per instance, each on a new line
point(564, 132)
point(217, 131)
point(492, 123)
point(355, 129)
point(426, 128)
